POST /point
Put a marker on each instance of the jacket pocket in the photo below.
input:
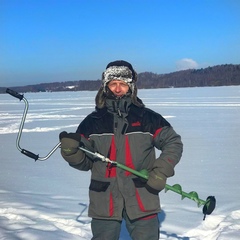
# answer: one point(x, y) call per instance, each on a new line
point(101, 199)
point(139, 183)
point(99, 186)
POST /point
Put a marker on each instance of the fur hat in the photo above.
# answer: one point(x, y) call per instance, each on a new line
point(118, 70)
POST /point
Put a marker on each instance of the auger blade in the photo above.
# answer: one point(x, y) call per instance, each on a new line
point(209, 206)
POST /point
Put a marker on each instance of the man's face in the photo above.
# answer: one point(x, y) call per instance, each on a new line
point(118, 87)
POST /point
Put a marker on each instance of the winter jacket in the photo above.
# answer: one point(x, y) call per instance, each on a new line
point(128, 134)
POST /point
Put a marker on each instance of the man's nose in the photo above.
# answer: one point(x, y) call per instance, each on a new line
point(118, 88)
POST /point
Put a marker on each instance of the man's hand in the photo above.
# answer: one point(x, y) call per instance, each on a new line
point(70, 151)
point(156, 182)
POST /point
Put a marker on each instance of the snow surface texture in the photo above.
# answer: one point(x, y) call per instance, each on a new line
point(49, 200)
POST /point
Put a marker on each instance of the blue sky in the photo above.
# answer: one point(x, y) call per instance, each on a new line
point(67, 40)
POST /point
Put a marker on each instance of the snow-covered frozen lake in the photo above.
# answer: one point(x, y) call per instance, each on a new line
point(49, 200)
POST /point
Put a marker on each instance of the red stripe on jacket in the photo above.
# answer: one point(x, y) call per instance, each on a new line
point(128, 157)
point(111, 205)
point(111, 170)
point(157, 132)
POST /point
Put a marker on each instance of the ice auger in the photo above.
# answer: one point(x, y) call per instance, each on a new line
point(208, 205)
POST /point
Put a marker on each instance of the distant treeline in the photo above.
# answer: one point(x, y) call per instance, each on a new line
point(220, 75)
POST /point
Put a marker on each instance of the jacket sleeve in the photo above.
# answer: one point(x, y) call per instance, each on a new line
point(170, 144)
point(86, 163)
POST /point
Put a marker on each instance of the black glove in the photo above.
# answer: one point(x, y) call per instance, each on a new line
point(70, 151)
point(156, 182)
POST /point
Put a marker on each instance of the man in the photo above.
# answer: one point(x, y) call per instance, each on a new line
point(124, 130)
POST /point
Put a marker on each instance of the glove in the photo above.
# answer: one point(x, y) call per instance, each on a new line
point(156, 182)
point(70, 151)
point(69, 142)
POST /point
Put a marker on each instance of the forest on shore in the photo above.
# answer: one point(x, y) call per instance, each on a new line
point(220, 75)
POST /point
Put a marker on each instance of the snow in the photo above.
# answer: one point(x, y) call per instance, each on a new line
point(49, 200)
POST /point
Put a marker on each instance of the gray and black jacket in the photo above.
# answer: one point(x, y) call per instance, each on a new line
point(128, 134)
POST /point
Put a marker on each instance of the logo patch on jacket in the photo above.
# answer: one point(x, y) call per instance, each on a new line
point(136, 124)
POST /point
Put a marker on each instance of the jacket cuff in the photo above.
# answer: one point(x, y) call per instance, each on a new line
point(151, 190)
